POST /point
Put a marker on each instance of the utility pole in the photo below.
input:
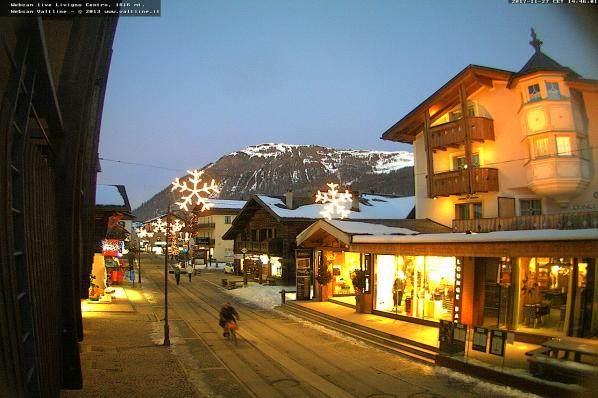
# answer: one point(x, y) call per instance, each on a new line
point(139, 262)
point(166, 327)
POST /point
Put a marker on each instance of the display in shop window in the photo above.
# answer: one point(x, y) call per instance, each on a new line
point(480, 339)
point(498, 340)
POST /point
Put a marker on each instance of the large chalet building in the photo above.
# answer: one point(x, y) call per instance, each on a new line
point(507, 161)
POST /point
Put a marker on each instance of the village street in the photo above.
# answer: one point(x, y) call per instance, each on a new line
point(280, 356)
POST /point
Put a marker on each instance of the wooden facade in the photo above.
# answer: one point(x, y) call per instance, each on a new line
point(576, 220)
point(258, 231)
point(53, 75)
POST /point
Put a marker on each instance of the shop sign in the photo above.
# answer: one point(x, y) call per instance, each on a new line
point(303, 253)
point(480, 339)
point(458, 287)
point(498, 338)
point(110, 247)
point(303, 278)
point(445, 337)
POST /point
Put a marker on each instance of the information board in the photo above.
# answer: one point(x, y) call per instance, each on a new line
point(303, 278)
point(498, 339)
point(480, 339)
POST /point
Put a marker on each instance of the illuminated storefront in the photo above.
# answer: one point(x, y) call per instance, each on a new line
point(344, 265)
point(415, 286)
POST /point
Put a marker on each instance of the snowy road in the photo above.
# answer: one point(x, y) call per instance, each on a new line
point(281, 357)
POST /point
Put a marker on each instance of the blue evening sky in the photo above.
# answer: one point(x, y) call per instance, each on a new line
point(210, 77)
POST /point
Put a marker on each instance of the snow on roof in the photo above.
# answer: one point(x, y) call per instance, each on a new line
point(376, 208)
point(108, 195)
point(227, 204)
point(364, 228)
point(497, 236)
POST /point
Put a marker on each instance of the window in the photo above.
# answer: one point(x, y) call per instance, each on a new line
point(530, 207)
point(459, 162)
point(462, 211)
point(254, 235)
point(534, 92)
point(466, 211)
point(477, 210)
point(552, 90)
point(563, 145)
point(542, 147)
point(227, 219)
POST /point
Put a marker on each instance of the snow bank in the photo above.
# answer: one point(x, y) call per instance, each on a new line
point(266, 297)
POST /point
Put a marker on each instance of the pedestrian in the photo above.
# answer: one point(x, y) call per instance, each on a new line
point(228, 314)
point(177, 274)
point(189, 269)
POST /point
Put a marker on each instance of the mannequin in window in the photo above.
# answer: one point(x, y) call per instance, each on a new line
point(397, 291)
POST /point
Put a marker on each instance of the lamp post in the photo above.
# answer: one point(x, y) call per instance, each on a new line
point(166, 326)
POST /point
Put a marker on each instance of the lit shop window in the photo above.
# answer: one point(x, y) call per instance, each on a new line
point(534, 92)
point(552, 90)
point(415, 286)
point(563, 145)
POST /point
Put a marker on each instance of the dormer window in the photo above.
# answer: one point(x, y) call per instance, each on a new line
point(534, 92)
point(552, 90)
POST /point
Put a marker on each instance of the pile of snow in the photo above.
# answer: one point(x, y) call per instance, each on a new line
point(376, 207)
point(226, 204)
point(266, 297)
point(364, 228)
point(108, 195)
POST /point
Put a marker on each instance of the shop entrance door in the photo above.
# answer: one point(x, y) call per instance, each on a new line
point(492, 299)
point(584, 279)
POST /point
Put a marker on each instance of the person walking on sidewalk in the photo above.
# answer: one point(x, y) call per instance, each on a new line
point(177, 274)
point(189, 269)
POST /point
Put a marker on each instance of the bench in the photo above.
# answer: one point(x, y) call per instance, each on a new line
point(234, 284)
point(539, 351)
point(561, 369)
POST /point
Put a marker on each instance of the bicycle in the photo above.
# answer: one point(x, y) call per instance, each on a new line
point(231, 328)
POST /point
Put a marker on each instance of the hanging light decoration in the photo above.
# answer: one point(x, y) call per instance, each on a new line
point(159, 226)
point(177, 225)
point(194, 193)
point(141, 232)
point(334, 202)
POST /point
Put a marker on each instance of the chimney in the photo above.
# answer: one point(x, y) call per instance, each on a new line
point(355, 203)
point(288, 198)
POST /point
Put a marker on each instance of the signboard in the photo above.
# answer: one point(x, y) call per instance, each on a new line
point(303, 278)
point(201, 240)
point(459, 336)
point(498, 338)
point(480, 339)
point(110, 247)
point(303, 253)
point(445, 336)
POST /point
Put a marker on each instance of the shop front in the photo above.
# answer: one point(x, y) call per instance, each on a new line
point(420, 287)
point(261, 267)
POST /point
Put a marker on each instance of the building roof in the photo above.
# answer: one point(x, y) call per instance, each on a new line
point(222, 206)
point(112, 198)
point(540, 235)
point(371, 208)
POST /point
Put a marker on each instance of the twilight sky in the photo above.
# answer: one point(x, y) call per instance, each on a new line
point(210, 77)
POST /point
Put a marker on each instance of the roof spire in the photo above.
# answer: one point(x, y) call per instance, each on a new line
point(535, 43)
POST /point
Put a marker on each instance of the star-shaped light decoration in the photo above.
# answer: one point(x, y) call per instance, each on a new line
point(334, 202)
point(196, 194)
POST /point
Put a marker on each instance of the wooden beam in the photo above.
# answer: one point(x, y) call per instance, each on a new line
point(429, 152)
point(465, 121)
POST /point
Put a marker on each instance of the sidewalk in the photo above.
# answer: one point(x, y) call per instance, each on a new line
point(119, 358)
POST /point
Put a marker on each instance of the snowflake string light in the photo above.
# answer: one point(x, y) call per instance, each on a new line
point(334, 202)
point(177, 225)
point(159, 226)
point(196, 194)
point(141, 232)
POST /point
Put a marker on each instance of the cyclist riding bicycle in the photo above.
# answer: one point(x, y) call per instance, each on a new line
point(228, 318)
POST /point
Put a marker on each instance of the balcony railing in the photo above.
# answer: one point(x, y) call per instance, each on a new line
point(272, 247)
point(452, 133)
point(546, 221)
point(205, 225)
point(483, 179)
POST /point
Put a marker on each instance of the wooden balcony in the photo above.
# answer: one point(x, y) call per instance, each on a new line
point(272, 247)
point(206, 225)
point(452, 134)
point(578, 220)
point(483, 179)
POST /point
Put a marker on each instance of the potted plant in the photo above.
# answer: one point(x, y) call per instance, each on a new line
point(323, 278)
point(359, 278)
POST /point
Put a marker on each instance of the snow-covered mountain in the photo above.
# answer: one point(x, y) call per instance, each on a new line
point(272, 169)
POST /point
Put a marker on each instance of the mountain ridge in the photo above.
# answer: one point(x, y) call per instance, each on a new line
point(273, 168)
